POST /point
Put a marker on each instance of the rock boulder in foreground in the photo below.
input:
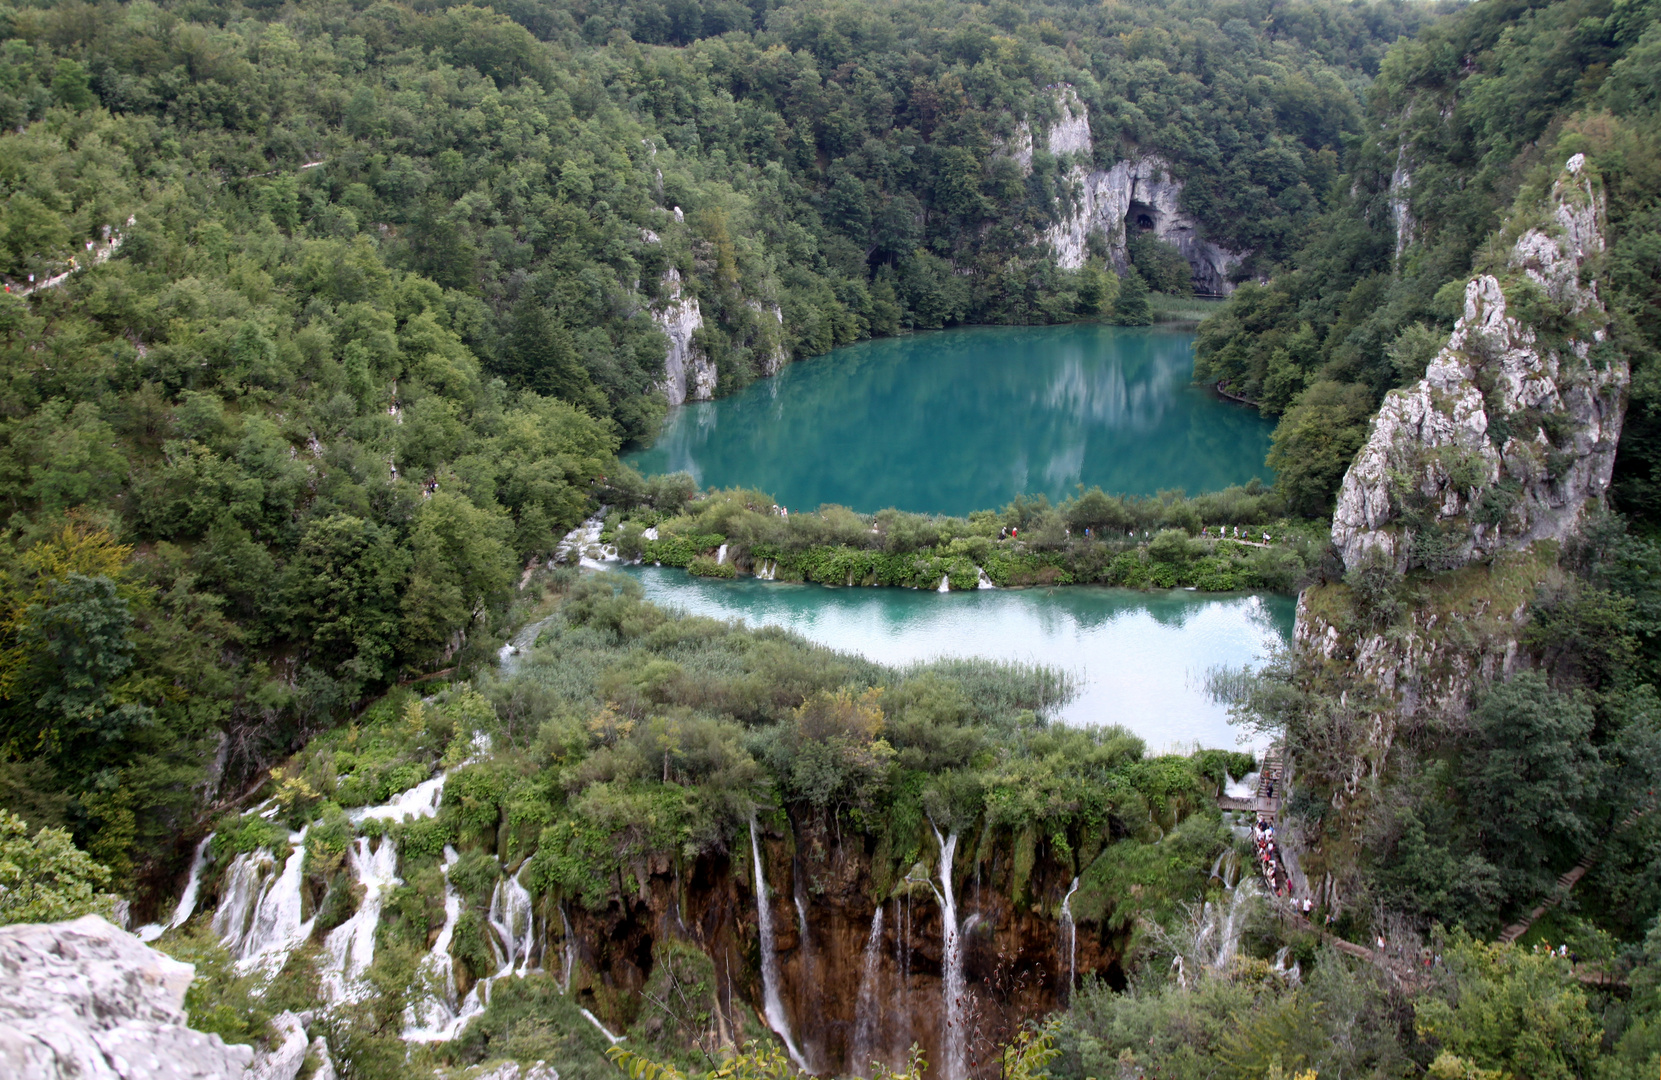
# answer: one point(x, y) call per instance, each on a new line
point(86, 999)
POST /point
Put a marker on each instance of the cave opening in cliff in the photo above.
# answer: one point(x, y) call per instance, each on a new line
point(1142, 216)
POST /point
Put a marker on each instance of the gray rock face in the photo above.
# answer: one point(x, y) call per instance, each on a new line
point(85, 999)
point(1511, 434)
point(688, 375)
point(1136, 194)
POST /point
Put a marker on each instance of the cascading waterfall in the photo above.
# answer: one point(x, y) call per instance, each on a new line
point(187, 899)
point(952, 961)
point(193, 886)
point(595, 1020)
point(259, 919)
point(420, 801)
point(1069, 935)
point(945, 583)
point(569, 952)
point(772, 1006)
point(514, 922)
point(1219, 923)
point(720, 555)
point(767, 570)
point(510, 916)
point(349, 948)
point(431, 1018)
point(982, 581)
point(867, 1007)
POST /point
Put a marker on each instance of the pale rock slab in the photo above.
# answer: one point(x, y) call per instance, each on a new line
point(87, 1000)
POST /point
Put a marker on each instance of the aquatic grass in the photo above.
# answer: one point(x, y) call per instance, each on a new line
point(998, 691)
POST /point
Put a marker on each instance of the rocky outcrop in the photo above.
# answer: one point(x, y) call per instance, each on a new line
point(86, 999)
point(1139, 193)
point(1511, 434)
point(688, 374)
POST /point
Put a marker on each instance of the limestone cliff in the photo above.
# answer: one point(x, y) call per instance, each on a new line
point(688, 374)
point(1135, 194)
point(1511, 434)
point(1477, 474)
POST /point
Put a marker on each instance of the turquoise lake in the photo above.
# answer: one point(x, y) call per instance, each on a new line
point(963, 420)
point(1140, 658)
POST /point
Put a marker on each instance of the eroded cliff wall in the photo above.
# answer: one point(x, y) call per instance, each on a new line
point(1139, 193)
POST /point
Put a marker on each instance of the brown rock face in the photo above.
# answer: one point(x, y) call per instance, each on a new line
point(856, 987)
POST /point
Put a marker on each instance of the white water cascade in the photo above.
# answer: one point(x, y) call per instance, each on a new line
point(511, 918)
point(767, 570)
point(721, 555)
point(432, 1018)
point(514, 922)
point(420, 801)
point(258, 920)
point(595, 1020)
point(349, 948)
point(955, 1065)
point(1069, 935)
point(772, 1005)
point(568, 953)
point(868, 1006)
point(982, 581)
point(187, 899)
point(945, 583)
point(1218, 924)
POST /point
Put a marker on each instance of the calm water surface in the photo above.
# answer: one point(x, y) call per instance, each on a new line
point(966, 419)
point(1140, 657)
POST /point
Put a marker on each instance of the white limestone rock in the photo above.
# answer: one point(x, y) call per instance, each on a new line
point(1433, 485)
point(688, 375)
point(1138, 193)
point(87, 1000)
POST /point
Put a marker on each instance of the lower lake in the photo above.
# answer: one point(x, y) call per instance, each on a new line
point(966, 419)
point(1140, 658)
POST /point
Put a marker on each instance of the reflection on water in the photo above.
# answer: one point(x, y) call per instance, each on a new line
point(966, 419)
point(1141, 657)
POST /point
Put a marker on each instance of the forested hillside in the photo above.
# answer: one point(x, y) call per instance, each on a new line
point(360, 302)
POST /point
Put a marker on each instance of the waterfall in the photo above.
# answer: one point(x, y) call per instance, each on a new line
point(772, 1006)
point(569, 953)
point(349, 948)
point(983, 582)
point(193, 886)
point(720, 555)
point(951, 953)
point(595, 1020)
point(510, 916)
point(945, 583)
point(187, 899)
point(420, 801)
point(1069, 933)
point(1217, 930)
point(767, 570)
point(431, 1019)
point(258, 920)
point(513, 921)
point(868, 1008)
